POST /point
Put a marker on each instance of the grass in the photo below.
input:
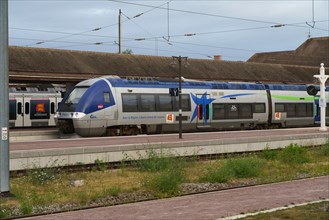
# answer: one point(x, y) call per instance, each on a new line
point(294, 154)
point(318, 211)
point(245, 167)
point(160, 174)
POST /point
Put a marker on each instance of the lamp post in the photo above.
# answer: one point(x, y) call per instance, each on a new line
point(180, 59)
point(322, 102)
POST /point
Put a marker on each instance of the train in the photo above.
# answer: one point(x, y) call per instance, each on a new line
point(113, 105)
point(33, 105)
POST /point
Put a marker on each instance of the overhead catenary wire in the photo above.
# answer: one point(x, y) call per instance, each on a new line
point(153, 38)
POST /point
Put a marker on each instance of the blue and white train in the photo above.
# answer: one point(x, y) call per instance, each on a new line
point(112, 105)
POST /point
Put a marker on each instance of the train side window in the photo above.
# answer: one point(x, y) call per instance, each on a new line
point(27, 108)
point(279, 107)
point(309, 109)
point(245, 111)
point(107, 97)
point(291, 110)
point(259, 108)
point(186, 104)
point(232, 111)
point(52, 108)
point(129, 103)
point(19, 108)
point(301, 110)
point(218, 111)
point(164, 103)
point(147, 103)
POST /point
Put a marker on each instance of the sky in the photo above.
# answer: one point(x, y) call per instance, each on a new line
point(234, 29)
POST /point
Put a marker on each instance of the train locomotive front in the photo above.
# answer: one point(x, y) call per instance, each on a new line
point(83, 110)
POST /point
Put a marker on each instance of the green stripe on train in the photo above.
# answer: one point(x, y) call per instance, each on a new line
point(294, 98)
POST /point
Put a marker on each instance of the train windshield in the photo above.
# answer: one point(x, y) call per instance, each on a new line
point(73, 99)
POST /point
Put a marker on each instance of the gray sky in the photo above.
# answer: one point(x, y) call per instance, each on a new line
point(234, 29)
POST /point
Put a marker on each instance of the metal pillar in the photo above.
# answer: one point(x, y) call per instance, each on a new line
point(119, 31)
point(4, 99)
point(322, 102)
point(180, 59)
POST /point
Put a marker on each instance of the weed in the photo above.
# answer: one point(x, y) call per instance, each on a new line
point(217, 175)
point(165, 183)
point(4, 213)
point(268, 154)
point(42, 175)
point(244, 167)
point(161, 161)
point(26, 208)
point(123, 163)
point(294, 154)
point(113, 191)
point(99, 165)
point(325, 149)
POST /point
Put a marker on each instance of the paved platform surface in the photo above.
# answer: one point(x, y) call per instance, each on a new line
point(214, 205)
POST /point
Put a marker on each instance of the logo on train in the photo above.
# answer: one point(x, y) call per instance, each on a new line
point(201, 104)
point(40, 108)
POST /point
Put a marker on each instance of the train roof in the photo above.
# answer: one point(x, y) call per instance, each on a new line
point(163, 83)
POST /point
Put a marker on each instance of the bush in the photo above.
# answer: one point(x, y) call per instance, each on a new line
point(245, 167)
point(239, 168)
point(294, 154)
point(165, 183)
point(217, 175)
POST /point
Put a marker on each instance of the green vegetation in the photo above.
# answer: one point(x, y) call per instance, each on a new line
point(232, 168)
point(294, 154)
point(318, 211)
point(325, 149)
point(156, 174)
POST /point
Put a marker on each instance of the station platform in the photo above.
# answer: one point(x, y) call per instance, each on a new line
point(73, 151)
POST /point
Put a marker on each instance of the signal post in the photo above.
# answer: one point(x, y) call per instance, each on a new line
point(322, 101)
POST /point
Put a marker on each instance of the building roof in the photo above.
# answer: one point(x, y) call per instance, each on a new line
point(54, 65)
point(312, 52)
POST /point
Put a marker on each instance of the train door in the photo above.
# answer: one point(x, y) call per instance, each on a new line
point(26, 111)
point(204, 111)
point(19, 122)
point(53, 107)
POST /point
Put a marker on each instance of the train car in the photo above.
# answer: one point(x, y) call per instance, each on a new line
point(291, 106)
point(115, 106)
point(32, 105)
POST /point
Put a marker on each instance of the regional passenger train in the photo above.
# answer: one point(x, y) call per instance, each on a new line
point(112, 105)
point(33, 105)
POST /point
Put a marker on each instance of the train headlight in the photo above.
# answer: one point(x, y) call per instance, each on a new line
point(78, 115)
point(57, 114)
